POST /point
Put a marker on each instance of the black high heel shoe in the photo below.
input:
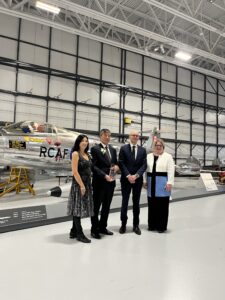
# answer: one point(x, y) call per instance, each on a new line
point(83, 239)
point(73, 234)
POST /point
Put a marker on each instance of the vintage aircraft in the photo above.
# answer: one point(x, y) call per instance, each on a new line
point(191, 167)
point(39, 146)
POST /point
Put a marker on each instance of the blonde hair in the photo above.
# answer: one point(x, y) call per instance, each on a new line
point(161, 141)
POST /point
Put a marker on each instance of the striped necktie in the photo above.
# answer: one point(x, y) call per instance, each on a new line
point(107, 153)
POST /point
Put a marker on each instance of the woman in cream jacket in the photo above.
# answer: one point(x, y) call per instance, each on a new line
point(160, 179)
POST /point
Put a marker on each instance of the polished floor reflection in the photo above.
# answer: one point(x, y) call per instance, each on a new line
point(186, 263)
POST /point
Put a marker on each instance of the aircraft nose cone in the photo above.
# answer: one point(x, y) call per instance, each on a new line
point(55, 192)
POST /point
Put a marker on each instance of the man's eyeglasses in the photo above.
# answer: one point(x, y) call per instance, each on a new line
point(135, 135)
point(157, 145)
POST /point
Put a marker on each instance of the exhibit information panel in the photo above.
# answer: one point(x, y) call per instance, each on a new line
point(22, 215)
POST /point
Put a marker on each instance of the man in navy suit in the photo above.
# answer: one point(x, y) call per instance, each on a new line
point(104, 159)
point(132, 163)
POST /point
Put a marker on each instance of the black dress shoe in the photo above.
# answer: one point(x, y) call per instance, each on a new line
point(161, 231)
point(95, 235)
point(137, 230)
point(106, 232)
point(151, 229)
point(73, 234)
point(122, 229)
point(83, 239)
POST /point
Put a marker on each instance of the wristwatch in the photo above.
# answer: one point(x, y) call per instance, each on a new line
point(137, 175)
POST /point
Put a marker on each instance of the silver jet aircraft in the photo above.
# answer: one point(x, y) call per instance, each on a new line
point(39, 146)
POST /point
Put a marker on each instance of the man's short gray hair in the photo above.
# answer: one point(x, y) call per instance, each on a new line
point(104, 130)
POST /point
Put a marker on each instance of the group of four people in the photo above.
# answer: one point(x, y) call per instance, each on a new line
point(93, 184)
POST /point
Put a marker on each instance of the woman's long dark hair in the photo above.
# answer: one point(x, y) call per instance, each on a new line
point(76, 146)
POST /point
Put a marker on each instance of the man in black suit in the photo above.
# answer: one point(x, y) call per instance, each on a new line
point(132, 163)
point(104, 159)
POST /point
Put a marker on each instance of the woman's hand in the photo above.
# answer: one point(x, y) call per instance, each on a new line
point(82, 190)
point(145, 185)
point(168, 187)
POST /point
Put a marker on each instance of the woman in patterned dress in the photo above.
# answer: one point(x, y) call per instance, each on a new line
point(80, 202)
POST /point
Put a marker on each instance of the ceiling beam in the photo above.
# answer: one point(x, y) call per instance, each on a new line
point(184, 16)
point(69, 29)
point(134, 29)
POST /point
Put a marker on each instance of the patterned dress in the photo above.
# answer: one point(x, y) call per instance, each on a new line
point(78, 205)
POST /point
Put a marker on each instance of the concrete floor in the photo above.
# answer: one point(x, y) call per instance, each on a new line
point(187, 263)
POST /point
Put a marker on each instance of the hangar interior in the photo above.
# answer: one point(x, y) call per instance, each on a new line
point(99, 62)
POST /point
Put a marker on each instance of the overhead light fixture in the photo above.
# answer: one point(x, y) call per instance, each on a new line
point(183, 55)
point(48, 7)
point(162, 49)
point(159, 49)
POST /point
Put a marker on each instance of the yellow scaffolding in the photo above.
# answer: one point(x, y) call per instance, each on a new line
point(18, 180)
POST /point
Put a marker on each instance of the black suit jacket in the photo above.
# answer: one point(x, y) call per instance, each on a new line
point(100, 162)
point(129, 165)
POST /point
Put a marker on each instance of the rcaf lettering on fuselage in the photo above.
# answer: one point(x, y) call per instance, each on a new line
point(52, 152)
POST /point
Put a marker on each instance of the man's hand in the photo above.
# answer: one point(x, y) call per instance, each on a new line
point(115, 168)
point(131, 178)
point(108, 178)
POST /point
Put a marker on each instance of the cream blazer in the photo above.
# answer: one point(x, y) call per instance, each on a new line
point(164, 163)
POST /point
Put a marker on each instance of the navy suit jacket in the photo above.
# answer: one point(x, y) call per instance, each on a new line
point(100, 162)
point(129, 165)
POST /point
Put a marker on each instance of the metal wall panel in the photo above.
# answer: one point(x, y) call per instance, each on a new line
point(7, 78)
point(8, 26)
point(63, 62)
point(61, 114)
point(184, 76)
point(111, 99)
point(89, 68)
point(168, 72)
point(133, 79)
point(7, 107)
point(90, 49)
point(8, 48)
point(87, 118)
point(30, 109)
point(32, 83)
point(151, 67)
point(35, 33)
point(112, 55)
point(151, 106)
point(110, 120)
point(33, 55)
point(111, 74)
point(63, 41)
point(151, 84)
point(61, 88)
point(134, 62)
point(133, 103)
point(88, 94)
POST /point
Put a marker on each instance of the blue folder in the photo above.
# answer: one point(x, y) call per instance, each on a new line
point(160, 190)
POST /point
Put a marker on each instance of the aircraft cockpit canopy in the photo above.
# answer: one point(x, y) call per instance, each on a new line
point(30, 127)
point(36, 128)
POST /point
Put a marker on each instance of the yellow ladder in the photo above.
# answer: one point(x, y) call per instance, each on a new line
point(18, 180)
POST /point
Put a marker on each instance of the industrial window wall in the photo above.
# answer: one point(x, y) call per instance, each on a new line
point(50, 75)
